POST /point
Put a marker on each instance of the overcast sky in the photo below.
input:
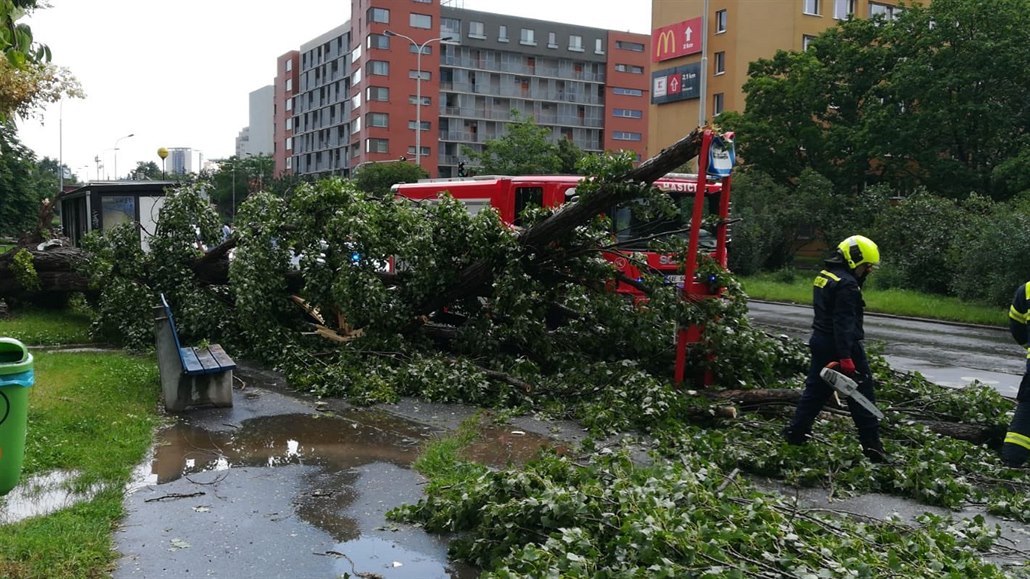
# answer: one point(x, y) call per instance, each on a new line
point(178, 73)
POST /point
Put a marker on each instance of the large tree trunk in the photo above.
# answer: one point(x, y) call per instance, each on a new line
point(56, 269)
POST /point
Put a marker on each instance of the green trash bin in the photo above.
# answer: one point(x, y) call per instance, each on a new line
point(16, 377)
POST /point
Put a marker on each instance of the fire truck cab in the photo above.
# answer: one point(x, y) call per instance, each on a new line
point(509, 196)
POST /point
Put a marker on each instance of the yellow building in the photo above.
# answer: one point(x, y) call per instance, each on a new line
point(738, 32)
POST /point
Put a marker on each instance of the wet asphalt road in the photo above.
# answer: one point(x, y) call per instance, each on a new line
point(948, 354)
point(273, 487)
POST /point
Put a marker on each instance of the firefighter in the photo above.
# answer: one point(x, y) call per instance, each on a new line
point(1016, 449)
point(836, 339)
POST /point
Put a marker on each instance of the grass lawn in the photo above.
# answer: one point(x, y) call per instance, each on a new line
point(774, 287)
point(92, 414)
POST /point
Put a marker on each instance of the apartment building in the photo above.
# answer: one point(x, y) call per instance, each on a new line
point(421, 80)
point(738, 32)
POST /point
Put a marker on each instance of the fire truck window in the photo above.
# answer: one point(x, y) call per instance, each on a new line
point(635, 227)
point(525, 196)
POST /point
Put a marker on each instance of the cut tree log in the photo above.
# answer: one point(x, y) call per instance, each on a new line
point(756, 399)
point(56, 269)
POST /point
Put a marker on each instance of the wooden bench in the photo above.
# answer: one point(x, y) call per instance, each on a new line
point(190, 376)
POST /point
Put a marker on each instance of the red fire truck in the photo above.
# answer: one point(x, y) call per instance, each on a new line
point(509, 196)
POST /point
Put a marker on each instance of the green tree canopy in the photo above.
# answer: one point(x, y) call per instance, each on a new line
point(377, 178)
point(19, 184)
point(27, 79)
point(146, 171)
point(936, 97)
point(526, 149)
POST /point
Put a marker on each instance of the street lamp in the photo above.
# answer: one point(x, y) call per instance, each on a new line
point(116, 153)
point(418, 88)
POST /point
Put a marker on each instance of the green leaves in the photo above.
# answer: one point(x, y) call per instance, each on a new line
point(933, 98)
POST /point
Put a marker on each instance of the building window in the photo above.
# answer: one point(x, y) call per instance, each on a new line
point(381, 120)
point(378, 68)
point(450, 27)
point(420, 21)
point(289, 123)
point(885, 10)
point(626, 136)
point(289, 84)
point(843, 9)
point(811, 7)
point(632, 68)
point(379, 41)
point(631, 46)
point(528, 37)
point(627, 91)
point(289, 104)
point(477, 30)
point(289, 143)
point(381, 15)
point(552, 40)
point(718, 103)
point(356, 77)
point(628, 113)
point(502, 34)
point(575, 43)
point(289, 65)
point(425, 49)
point(598, 46)
point(720, 62)
point(425, 151)
point(377, 146)
point(425, 125)
point(355, 102)
point(377, 93)
point(806, 41)
point(426, 101)
point(720, 21)
point(426, 75)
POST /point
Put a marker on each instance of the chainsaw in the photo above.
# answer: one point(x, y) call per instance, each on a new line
point(848, 387)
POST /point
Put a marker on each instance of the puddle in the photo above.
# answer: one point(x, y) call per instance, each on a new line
point(502, 446)
point(41, 495)
point(372, 557)
point(326, 441)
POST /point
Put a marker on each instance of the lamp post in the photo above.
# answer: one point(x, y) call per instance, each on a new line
point(418, 88)
point(116, 153)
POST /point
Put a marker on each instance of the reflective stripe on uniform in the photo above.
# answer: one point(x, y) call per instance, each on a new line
point(1017, 315)
point(1026, 290)
point(1017, 439)
point(820, 280)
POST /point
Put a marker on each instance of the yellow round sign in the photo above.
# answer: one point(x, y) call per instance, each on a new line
point(162, 152)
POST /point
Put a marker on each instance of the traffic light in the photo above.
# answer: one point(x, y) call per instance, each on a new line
point(461, 168)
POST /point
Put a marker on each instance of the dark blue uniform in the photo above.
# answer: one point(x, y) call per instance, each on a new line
point(1016, 449)
point(837, 334)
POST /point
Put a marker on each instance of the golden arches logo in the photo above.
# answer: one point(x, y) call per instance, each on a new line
point(665, 44)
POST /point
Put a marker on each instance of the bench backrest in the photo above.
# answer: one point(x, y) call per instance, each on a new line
point(171, 322)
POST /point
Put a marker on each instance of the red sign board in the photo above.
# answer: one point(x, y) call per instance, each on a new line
point(676, 40)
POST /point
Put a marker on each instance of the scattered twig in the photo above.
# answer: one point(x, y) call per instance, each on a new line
point(175, 496)
point(726, 482)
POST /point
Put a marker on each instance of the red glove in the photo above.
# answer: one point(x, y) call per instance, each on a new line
point(847, 365)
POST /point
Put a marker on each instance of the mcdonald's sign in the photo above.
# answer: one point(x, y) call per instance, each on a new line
point(676, 40)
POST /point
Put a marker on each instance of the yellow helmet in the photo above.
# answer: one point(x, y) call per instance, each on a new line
point(858, 250)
